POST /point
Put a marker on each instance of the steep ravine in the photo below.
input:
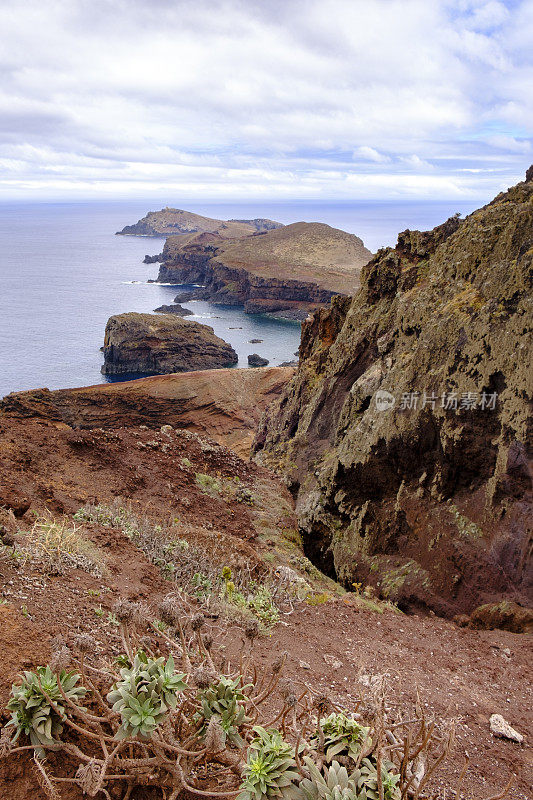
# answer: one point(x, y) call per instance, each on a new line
point(430, 505)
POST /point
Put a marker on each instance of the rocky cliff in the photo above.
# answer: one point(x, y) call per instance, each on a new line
point(170, 221)
point(298, 266)
point(404, 434)
point(155, 344)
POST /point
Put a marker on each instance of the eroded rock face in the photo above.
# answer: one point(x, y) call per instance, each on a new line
point(430, 504)
point(155, 344)
point(225, 404)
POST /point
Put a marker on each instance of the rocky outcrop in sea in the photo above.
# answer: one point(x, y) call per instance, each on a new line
point(285, 272)
point(154, 344)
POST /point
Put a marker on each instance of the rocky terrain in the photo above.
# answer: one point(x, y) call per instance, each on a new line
point(133, 494)
point(404, 434)
point(155, 344)
point(170, 221)
point(223, 404)
point(295, 267)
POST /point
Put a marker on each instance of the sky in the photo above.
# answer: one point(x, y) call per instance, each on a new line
point(275, 99)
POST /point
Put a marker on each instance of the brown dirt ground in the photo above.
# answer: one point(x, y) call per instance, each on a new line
point(460, 673)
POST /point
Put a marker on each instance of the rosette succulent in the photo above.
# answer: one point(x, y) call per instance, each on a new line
point(342, 736)
point(366, 777)
point(270, 769)
point(335, 784)
point(225, 700)
point(32, 712)
point(148, 689)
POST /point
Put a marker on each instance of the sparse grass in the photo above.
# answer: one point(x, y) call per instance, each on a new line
point(197, 570)
point(467, 529)
point(59, 544)
point(207, 483)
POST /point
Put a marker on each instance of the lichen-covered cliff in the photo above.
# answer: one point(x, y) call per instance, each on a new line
point(300, 266)
point(155, 344)
point(404, 433)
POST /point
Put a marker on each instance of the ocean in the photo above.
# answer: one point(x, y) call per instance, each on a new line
point(64, 273)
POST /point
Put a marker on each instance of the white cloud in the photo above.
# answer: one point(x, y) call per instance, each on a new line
point(370, 154)
point(309, 95)
point(509, 143)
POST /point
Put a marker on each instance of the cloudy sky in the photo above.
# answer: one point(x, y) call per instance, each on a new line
point(278, 99)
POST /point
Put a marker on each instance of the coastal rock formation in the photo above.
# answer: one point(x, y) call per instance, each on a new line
point(404, 433)
point(171, 221)
point(225, 404)
point(158, 344)
point(174, 309)
point(255, 360)
point(298, 266)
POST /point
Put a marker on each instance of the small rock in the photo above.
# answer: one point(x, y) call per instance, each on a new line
point(499, 727)
point(333, 662)
point(255, 341)
point(166, 430)
point(255, 360)
point(304, 665)
point(7, 538)
point(289, 575)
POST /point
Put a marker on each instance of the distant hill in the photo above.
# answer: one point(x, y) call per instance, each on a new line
point(171, 221)
point(303, 251)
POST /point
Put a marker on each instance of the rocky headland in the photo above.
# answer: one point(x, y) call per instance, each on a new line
point(170, 221)
point(405, 434)
point(155, 344)
point(288, 271)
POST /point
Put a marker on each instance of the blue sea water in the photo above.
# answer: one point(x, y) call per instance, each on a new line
point(63, 272)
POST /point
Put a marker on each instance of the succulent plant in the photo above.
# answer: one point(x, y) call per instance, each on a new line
point(335, 784)
point(270, 769)
point(32, 713)
point(224, 699)
point(366, 777)
point(148, 689)
point(342, 736)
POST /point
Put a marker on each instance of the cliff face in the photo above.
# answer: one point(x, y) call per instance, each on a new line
point(156, 344)
point(170, 221)
point(303, 263)
point(404, 433)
